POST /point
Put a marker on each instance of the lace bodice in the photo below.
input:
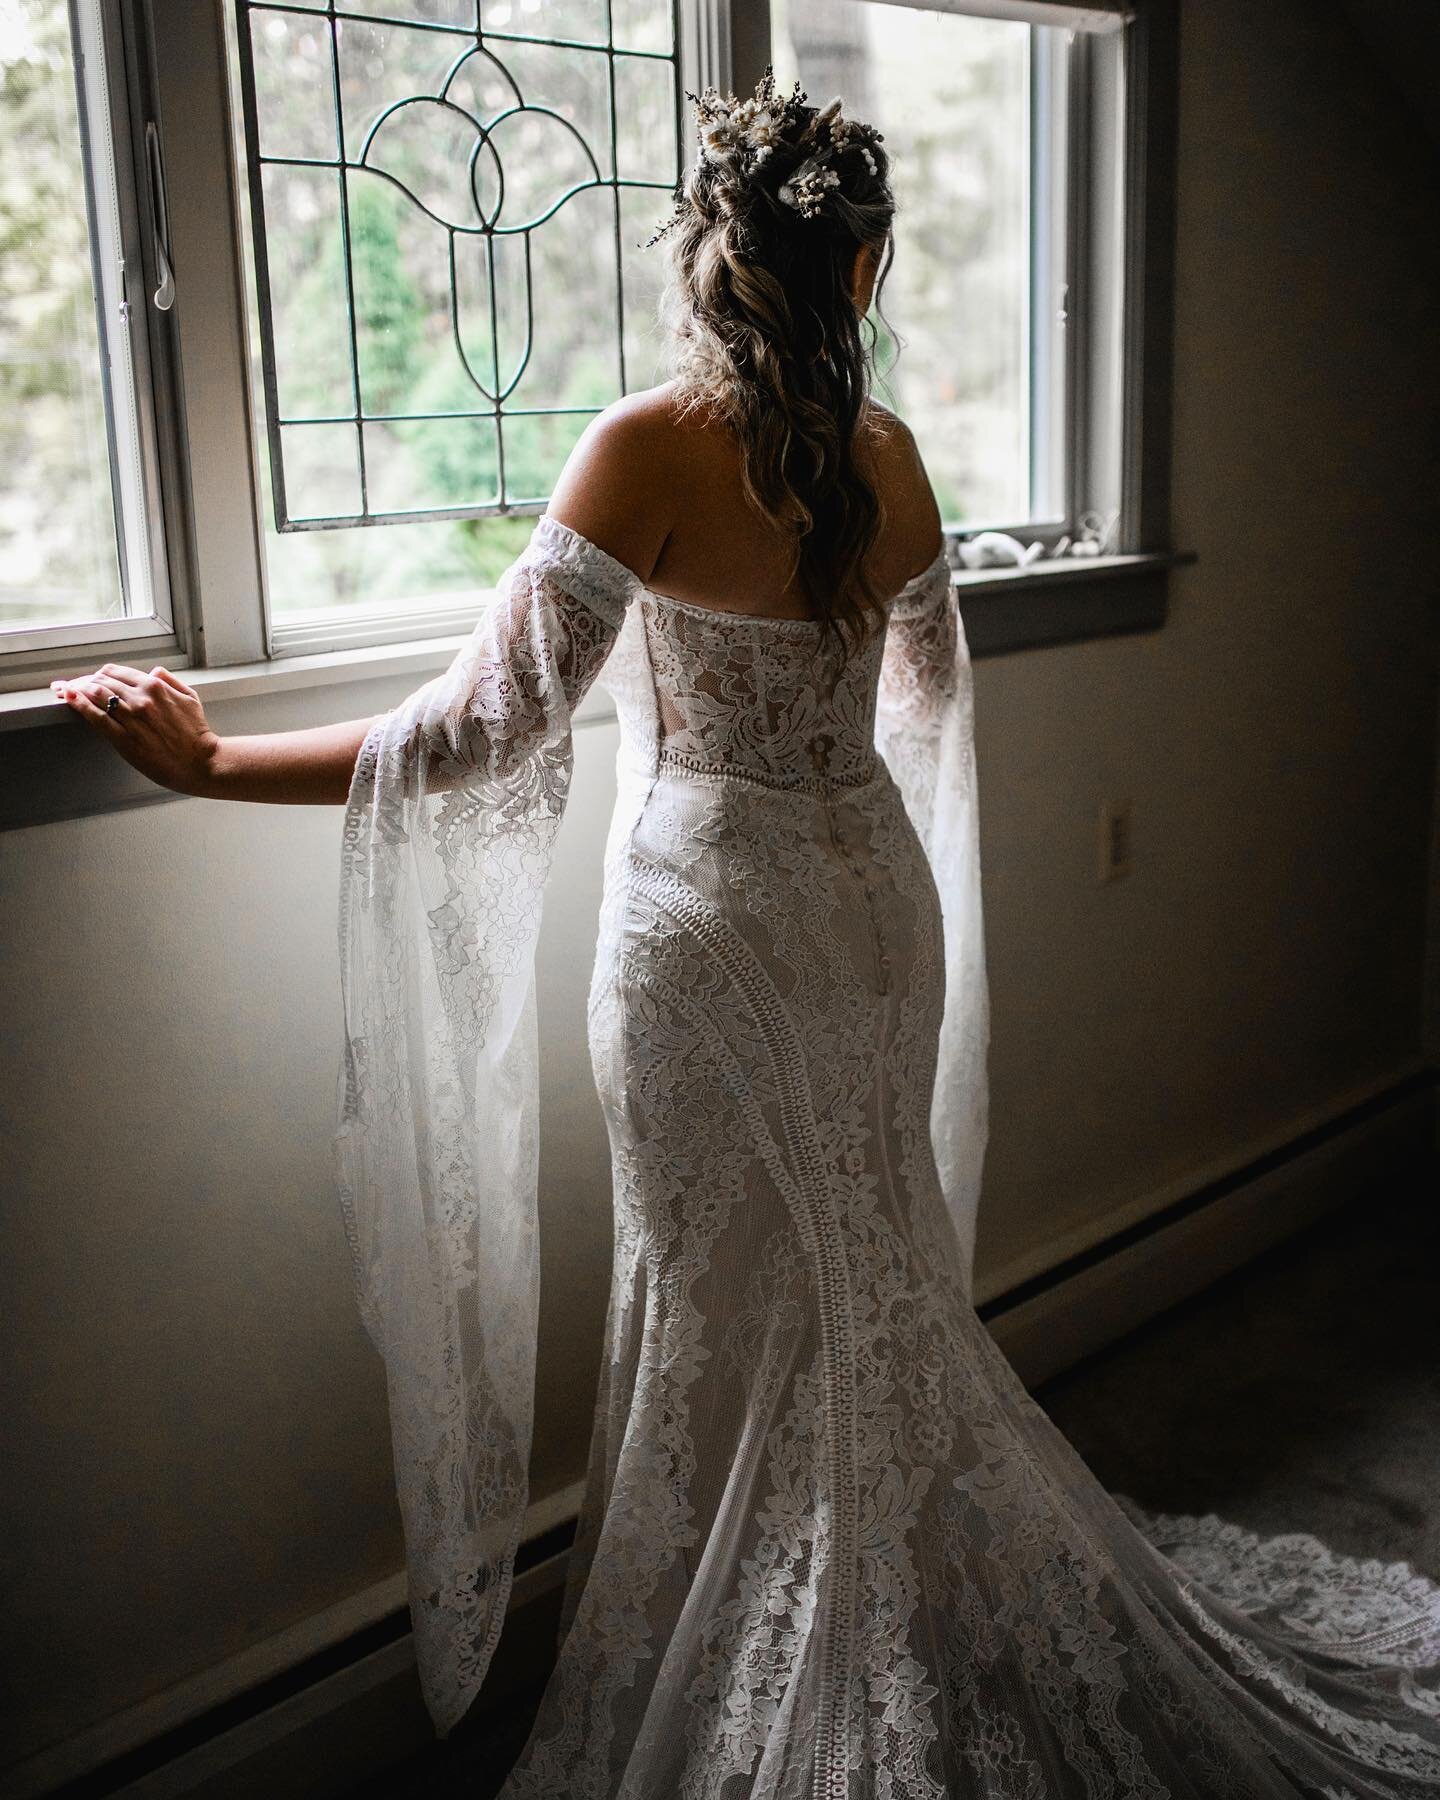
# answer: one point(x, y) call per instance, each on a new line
point(729, 693)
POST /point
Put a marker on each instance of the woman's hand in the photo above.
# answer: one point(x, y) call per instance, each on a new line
point(155, 721)
point(158, 725)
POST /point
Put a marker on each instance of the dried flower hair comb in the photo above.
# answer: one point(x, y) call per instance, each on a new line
point(744, 134)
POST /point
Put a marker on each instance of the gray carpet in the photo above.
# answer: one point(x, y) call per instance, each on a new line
point(1301, 1394)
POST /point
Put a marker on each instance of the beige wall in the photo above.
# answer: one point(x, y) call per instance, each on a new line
point(1278, 736)
point(197, 1449)
point(196, 1424)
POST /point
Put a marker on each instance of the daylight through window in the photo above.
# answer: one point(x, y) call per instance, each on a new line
point(75, 545)
point(447, 219)
point(974, 116)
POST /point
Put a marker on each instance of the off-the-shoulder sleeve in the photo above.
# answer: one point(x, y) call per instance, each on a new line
point(448, 834)
point(925, 731)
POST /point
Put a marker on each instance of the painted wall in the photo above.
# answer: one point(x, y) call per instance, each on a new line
point(197, 1445)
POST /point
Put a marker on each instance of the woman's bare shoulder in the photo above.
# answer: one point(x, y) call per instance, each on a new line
point(899, 469)
point(653, 459)
point(618, 485)
point(886, 437)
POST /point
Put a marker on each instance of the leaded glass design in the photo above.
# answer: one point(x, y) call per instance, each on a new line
point(426, 178)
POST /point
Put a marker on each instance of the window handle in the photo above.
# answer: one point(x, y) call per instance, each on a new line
point(164, 295)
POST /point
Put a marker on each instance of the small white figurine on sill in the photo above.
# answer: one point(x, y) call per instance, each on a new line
point(1095, 530)
point(997, 550)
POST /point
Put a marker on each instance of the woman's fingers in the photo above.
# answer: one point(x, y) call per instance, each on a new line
point(80, 702)
point(128, 683)
point(155, 721)
point(89, 695)
point(119, 679)
point(171, 679)
point(124, 674)
point(123, 705)
point(78, 687)
point(132, 689)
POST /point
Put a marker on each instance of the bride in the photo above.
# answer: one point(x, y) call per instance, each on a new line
point(829, 1547)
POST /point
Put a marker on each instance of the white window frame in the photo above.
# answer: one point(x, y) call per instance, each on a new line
point(1076, 295)
point(118, 149)
point(205, 451)
point(1119, 157)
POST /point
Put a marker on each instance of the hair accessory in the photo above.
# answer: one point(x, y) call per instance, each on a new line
point(744, 134)
point(806, 188)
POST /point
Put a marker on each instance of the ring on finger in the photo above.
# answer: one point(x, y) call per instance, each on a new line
point(112, 705)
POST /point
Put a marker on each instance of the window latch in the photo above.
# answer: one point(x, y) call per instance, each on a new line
point(164, 295)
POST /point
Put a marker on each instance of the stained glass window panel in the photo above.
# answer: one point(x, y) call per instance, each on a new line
point(454, 281)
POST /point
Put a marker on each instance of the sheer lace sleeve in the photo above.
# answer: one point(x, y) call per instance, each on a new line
point(925, 731)
point(448, 834)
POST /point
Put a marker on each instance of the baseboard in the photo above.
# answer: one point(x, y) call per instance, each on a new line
point(362, 1714)
point(179, 1741)
point(360, 1721)
point(1198, 1184)
point(1102, 1293)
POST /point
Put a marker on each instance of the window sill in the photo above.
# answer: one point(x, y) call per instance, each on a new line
point(275, 675)
point(1065, 600)
point(1094, 597)
point(57, 769)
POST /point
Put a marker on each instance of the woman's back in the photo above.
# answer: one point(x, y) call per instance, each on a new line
point(688, 528)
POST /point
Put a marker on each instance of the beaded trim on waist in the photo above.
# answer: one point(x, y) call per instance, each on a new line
point(684, 764)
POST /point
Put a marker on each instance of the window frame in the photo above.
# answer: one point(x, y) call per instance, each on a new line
point(1120, 251)
point(205, 447)
point(700, 57)
point(138, 183)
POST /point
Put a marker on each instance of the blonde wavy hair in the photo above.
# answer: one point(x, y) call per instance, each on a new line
point(764, 331)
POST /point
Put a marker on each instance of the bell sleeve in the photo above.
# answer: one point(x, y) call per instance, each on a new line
point(924, 729)
point(448, 834)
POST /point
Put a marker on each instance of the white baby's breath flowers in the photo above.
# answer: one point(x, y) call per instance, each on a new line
point(806, 188)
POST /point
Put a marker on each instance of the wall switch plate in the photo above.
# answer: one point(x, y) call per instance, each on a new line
point(1113, 842)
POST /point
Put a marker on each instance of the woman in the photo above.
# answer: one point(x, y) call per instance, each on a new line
point(829, 1546)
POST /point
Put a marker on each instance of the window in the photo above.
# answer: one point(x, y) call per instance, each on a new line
point(447, 207)
point(991, 123)
point(424, 177)
point(330, 430)
point(82, 554)
point(973, 112)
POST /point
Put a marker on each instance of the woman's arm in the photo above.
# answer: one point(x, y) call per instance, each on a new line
point(159, 726)
point(614, 489)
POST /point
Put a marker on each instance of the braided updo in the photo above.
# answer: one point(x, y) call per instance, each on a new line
point(765, 332)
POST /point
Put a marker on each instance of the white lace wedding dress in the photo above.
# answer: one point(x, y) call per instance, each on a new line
point(830, 1549)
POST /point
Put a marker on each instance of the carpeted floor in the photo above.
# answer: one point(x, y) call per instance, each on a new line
point(1301, 1394)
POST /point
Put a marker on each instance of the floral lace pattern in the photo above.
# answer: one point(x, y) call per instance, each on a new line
point(830, 1548)
point(448, 834)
